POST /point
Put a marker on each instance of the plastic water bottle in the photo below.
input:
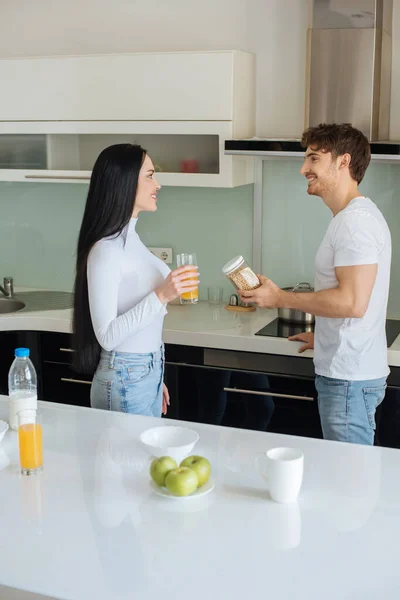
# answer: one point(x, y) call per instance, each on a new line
point(22, 385)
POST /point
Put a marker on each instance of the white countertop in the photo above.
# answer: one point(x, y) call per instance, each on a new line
point(90, 526)
point(191, 325)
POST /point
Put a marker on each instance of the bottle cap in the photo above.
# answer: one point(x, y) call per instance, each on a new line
point(21, 352)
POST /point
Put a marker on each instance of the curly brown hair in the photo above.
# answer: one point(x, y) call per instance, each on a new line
point(341, 139)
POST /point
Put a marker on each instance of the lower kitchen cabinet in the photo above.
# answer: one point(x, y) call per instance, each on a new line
point(261, 391)
point(9, 340)
point(388, 419)
point(257, 401)
point(8, 343)
point(60, 383)
point(51, 355)
point(234, 389)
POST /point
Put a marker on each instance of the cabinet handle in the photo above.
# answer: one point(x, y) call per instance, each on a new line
point(44, 176)
point(254, 393)
point(69, 380)
point(66, 350)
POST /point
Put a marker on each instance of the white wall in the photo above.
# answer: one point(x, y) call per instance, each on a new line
point(395, 94)
point(275, 30)
point(101, 26)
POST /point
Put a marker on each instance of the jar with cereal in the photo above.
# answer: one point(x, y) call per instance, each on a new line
point(241, 274)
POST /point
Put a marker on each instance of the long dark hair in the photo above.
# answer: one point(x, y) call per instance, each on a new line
point(109, 207)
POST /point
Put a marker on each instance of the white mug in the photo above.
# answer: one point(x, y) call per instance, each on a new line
point(283, 471)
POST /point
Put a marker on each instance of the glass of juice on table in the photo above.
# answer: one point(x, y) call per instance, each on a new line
point(184, 259)
point(30, 442)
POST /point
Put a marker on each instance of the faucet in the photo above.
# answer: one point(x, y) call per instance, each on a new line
point(8, 289)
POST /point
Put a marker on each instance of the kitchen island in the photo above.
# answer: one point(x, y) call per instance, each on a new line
point(90, 526)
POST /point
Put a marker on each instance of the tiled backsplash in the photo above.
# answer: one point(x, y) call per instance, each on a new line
point(294, 223)
point(40, 222)
point(38, 232)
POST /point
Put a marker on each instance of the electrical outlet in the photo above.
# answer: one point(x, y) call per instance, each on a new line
point(165, 254)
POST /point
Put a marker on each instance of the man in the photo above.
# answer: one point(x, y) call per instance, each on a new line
point(352, 273)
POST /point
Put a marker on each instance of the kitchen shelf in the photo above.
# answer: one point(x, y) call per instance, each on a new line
point(184, 153)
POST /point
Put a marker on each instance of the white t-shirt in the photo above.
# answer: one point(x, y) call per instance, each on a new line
point(122, 275)
point(354, 349)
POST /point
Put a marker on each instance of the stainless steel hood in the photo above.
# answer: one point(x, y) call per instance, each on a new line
point(350, 63)
point(348, 80)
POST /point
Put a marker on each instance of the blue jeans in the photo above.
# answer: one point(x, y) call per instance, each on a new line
point(347, 408)
point(130, 383)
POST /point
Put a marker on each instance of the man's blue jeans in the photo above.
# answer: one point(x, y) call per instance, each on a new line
point(347, 408)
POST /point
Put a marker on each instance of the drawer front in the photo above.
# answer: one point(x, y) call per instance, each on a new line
point(246, 400)
point(293, 400)
point(61, 384)
point(293, 366)
point(56, 347)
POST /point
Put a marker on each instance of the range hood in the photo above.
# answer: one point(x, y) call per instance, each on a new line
point(348, 80)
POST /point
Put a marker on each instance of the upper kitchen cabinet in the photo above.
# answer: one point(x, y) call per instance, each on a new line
point(57, 114)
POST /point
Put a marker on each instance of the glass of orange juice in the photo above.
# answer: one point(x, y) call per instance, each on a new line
point(30, 442)
point(182, 260)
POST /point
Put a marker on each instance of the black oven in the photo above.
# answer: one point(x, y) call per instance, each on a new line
point(243, 389)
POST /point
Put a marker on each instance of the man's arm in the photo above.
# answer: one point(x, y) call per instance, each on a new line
point(350, 299)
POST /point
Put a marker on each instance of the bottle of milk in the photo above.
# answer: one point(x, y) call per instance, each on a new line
point(22, 385)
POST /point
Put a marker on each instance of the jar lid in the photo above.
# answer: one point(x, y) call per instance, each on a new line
point(232, 264)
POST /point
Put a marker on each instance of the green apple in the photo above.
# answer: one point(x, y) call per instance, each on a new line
point(200, 466)
point(181, 481)
point(160, 467)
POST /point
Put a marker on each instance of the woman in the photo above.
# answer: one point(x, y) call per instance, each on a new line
point(121, 288)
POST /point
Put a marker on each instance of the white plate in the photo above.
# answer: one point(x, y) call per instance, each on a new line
point(205, 489)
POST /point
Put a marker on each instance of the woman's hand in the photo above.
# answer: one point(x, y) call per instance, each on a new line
point(307, 337)
point(165, 399)
point(181, 280)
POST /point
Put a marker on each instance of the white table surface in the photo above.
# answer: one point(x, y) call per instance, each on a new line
point(91, 528)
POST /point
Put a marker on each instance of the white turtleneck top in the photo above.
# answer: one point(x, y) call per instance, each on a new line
point(122, 274)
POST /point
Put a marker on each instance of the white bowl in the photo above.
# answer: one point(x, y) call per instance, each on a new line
point(3, 429)
point(177, 442)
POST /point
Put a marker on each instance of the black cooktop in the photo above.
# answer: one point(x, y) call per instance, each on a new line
point(279, 328)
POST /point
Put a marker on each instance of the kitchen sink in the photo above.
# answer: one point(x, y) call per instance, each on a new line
point(10, 305)
point(36, 302)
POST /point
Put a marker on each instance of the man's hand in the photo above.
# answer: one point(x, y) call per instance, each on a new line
point(307, 337)
point(268, 295)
